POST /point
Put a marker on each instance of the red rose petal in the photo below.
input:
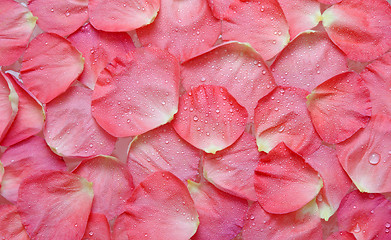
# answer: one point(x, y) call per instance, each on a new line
point(98, 228)
point(8, 104)
point(376, 76)
point(71, 131)
point(235, 66)
point(301, 15)
point(122, 16)
point(185, 28)
point(232, 169)
point(339, 107)
point(162, 149)
point(24, 159)
point(282, 116)
point(362, 29)
point(260, 23)
point(284, 182)
point(366, 156)
point(17, 24)
point(209, 118)
point(221, 215)
point(11, 226)
point(342, 236)
point(325, 61)
point(99, 49)
point(29, 119)
point(336, 183)
point(367, 216)
point(112, 184)
point(299, 225)
point(55, 205)
point(60, 17)
point(137, 92)
point(50, 55)
point(159, 208)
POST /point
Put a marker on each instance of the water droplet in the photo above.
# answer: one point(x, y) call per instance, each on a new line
point(203, 79)
point(281, 129)
point(357, 229)
point(195, 118)
point(91, 233)
point(388, 225)
point(217, 110)
point(264, 72)
point(374, 158)
point(67, 14)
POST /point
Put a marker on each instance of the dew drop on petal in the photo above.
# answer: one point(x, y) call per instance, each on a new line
point(374, 158)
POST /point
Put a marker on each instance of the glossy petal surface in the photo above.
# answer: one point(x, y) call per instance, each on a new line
point(98, 228)
point(50, 64)
point(71, 131)
point(162, 149)
point(8, 104)
point(137, 92)
point(209, 118)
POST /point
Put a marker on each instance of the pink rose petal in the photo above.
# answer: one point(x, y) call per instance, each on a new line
point(11, 226)
point(8, 104)
point(98, 228)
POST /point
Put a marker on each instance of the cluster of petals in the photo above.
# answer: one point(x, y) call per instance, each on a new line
point(195, 119)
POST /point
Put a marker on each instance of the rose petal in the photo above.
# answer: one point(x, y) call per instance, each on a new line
point(209, 118)
point(366, 156)
point(11, 226)
point(342, 236)
point(162, 149)
point(220, 7)
point(159, 208)
point(284, 182)
point(329, 1)
point(299, 225)
point(99, 49)
point(137, 92)
point(235, 66)
point(221, 215)
point(17, 24)
point(184, 28)
point(60, 17)
point(122, 16)
point(24, 159)
point(376, 76)
point(50, 55)
point(238, 161)
point(339, 107)
point(361, 29)
point(29, 119)
point(325, 62)
point(367, 216)
point(71, 131)
point(98, 228)
point(260, 23)
point(112, 184)
point(9, 100)
point(55, 205)
point(282, 116)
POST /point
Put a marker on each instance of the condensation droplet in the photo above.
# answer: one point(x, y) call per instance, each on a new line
point(374, 158)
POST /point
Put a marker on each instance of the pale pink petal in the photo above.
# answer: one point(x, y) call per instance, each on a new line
point(220, 7)
point(112, 184)
point(16, 27)
point(300, 225)
point(339, 107)
point(284, 182)
point(232, 169)
point(60, 17)
point(11, 226)
point(362, 29)
point(301, 15)
point(71, 131)
point(29, 119)
point(221, 214)
point(336, 183)
point(376, 76)
point(98, 49)
point(309, 60)
point(24, 159)
point(209, 118)
point(259, 22)
point(185, 28)
point(55, 205)
point(366, 156)
point(98, 228)
point(365, 215)
point(160, 208)
point(50, 65)
point(137, 92)
point(235, 66)
point(122, 16)
point(162, 149)
point(9, 100)
point(282, 116)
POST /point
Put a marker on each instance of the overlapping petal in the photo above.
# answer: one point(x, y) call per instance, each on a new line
point(8, 104)
point(98, 228)
point(11, 226)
